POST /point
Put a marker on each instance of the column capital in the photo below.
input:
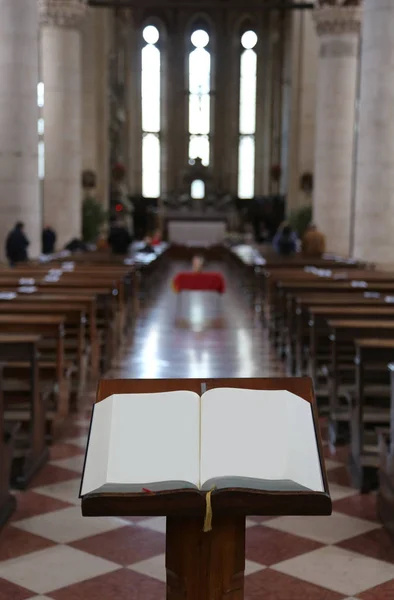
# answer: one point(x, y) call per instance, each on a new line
point(62, 13)
point(337, 16)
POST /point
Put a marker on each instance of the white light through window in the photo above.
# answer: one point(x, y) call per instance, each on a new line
point(151, 109)
point(247, 115)
point(199, 97)
point(198, 189)
point(40, 94)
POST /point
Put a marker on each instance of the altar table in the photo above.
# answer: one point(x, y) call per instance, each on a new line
point(209, 281)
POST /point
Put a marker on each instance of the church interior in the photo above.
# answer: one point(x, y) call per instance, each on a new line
point(207, 188)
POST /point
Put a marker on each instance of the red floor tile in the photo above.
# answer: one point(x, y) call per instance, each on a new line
point(30, 504)
point(124, 546)
point(59, 451)
point(9, 591)
point(362, 506)
point(381, 592)
point(376, 544)
point(15, 542)
point(52, 474)
point(119, 585)
point(268, 546)
point(340, 476)
point(270, 585)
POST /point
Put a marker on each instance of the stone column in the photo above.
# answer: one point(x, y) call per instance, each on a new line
point(61, 71)
point(338, 29)
point(19, 187)
point(303, 75)
point(374, 205)
point(95, 102)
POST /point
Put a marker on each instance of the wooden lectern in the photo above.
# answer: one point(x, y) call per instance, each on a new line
point(208, 566)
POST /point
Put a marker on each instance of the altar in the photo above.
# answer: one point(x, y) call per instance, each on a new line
point(199, 216)
point(196, 232)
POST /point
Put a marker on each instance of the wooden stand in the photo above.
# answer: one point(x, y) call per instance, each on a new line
point(205, 566)
point(208, 566)
point(7, 501)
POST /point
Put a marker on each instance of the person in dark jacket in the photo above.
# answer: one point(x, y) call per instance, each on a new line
point(16, 245)
point(48, 240)
point(285, 241)
point(119, 238)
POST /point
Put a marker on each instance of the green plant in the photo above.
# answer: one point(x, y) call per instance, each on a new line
point(93, 217)
point(300, 219)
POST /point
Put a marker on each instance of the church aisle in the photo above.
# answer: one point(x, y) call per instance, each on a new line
point(49, 551)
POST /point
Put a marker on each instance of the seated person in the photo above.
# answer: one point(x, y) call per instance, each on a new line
point(148, 245)
point(285, 240)
point(119, 238)
point(156, 239)
point(313, 243)
point(197, 264)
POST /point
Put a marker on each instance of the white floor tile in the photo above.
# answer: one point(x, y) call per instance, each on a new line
point(327, 530)
point(74, 463)
point(154, 523)
point(153, 567)
point(80, 441)
point(68, 491)
point(251, 523)
point(338, 492)
point(332, 464)
point(253, 567)
point(338, 570)
point(68, 525)
point(54, 568)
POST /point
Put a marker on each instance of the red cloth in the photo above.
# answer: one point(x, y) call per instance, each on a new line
point(206, 282)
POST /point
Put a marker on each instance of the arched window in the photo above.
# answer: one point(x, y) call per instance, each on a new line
point(247, 115)
point(151, 109)
point(199, 96)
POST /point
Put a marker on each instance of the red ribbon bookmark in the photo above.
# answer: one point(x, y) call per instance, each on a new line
point(147, 491)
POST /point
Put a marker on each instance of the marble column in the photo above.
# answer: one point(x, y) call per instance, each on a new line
point(374, 204)
point(95, 100)
point(62, 112)
point(19, 186)
point(303, 86)
point(338, 28)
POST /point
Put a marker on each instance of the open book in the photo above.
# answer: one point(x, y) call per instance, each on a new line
point(227, 438)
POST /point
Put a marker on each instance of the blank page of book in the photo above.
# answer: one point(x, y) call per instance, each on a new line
point(149, 438)
point(263, 434)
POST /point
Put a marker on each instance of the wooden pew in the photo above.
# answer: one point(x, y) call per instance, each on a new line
point(343, 333)
point(318, 319)
point(105, 311)
point(297, 330)
point(7, 500)
point(87, 304)
point(278, 310)
point(74, 338)
point(31, 451)
point(49, 327)
point(385, 498)
point(369, 409)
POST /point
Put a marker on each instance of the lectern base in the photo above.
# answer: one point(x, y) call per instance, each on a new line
point(205, 566)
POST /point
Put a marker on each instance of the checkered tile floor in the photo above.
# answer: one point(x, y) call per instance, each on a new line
point(48, 551)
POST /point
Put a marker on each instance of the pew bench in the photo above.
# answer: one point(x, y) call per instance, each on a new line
point(30, 450)
point(385, 498)
point(56, 388)
point(369, 412)
point(341, 368)
point(7, 435)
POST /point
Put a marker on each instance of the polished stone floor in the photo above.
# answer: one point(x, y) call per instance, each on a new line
point(49, 551)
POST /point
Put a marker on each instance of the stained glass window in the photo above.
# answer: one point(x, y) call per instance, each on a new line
point(199, 97)
point(247, 115)
point(151, 112)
